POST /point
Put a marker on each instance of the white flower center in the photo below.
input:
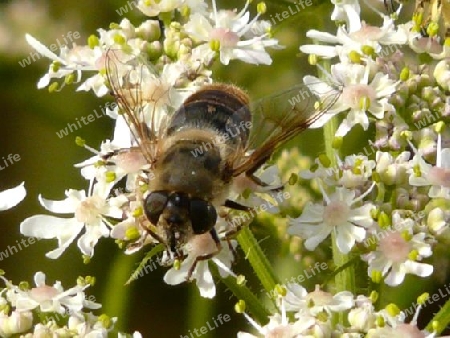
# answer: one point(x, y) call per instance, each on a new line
point(319, 298)
point(358, 96)
point(336, 213)
point(130, 161)
point(367, 32)
point(226, 37)
point(410, 331)
point(281, 331)
point(156, 92)
point(43, 293)
point(394, 247)
point(200, 245)
point(429, 45)
point(439, 176)
point(89, 210)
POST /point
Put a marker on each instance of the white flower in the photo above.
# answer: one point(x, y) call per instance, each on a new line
point(357, 37)
point(398, 253)
point(317, 221)
point(11, 197)
point(279, 326)
point(299, 300)
point(356, 171)
point(359, 95)
point(49, 298)
point(15, 323)
point(438, 176)
point(88, 214)
point(362, 317)
point(392, 170)
point(77, 59)
point(345, 9)
point(154, 8)
point(224, 31)
point(201, 245)
point(442, 74)
point(305, 325)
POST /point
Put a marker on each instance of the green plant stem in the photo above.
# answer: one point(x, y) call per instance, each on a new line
point(345, 279)
point(241, 292)
point(440, 320)
point(257, 259)
point(117, 304)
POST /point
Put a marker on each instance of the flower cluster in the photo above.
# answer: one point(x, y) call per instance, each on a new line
point(151, 69)
point(405, 160)
point(49, 310)
point(387, 206)
point(312, 316)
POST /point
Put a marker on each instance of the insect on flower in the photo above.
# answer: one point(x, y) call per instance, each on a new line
point(427, 15)
point(195, 151)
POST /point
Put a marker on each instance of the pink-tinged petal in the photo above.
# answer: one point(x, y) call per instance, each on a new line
point(205, 281)
point(11, 197)
point(418, 269)
point(58, 207)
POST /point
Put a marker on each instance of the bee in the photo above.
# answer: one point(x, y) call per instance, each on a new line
point(197, 150)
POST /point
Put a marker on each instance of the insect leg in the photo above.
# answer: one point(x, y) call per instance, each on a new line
point(258, 181)
point(236, 206)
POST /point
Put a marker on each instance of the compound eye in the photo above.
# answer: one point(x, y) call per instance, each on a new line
point(154, 205)
point(203, 216)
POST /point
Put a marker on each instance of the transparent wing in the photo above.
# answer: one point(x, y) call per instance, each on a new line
point(141, 97)
point(278, 118)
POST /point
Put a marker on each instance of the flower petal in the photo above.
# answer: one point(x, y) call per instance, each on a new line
point(11, 197)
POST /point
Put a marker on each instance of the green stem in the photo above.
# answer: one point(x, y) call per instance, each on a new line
point(344, 280)
point(440, 320)
point(257, 259)
point(241, 292)
point(118, 303)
